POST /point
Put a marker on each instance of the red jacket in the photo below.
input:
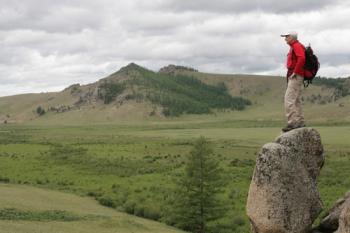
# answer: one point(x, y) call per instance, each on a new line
point(296, 59)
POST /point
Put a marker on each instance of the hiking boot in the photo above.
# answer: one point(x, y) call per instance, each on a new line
point(295, 126)
point(287, 128)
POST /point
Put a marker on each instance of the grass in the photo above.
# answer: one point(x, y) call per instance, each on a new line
point(130, 167)
point(126, 159)
point(28, 209)
point(48, 215)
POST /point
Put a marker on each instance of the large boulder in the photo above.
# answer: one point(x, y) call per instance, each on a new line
point(330, 222)
point(283, 195)
point(344, 219)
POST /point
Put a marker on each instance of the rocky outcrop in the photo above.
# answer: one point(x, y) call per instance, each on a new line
point(331, 221)
point(344, 219)
point(283, 195)
point(337, 218)
point(73, 89)
point(173, 69)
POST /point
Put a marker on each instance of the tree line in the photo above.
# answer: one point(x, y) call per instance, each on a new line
point(185, 94)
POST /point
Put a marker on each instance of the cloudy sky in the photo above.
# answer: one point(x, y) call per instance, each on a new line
point(47, 45)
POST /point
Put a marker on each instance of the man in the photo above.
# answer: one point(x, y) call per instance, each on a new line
point(295, 78)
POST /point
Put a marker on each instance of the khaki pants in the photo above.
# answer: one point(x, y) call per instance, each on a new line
point(292, 101)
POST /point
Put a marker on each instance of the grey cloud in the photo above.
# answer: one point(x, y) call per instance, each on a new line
point(18, 46)
point(50, 16)
point(238, 6)
point(334, 59)
point(154, 23)
point(57, 43)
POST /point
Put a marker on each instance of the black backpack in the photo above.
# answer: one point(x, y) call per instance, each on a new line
point(311, 66)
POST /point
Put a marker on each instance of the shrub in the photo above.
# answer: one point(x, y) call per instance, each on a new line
point(4, 180)
point(39, 182)
point(139, 210)
point(40, 111)
point(93, 194)
point(152, 212)
point(238, 220)
point(108, 91)
point(64, 152)
point(49, 215)
point(129, 207)
point(106, 201)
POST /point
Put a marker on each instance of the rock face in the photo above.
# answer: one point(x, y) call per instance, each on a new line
point(330, 223)
point(344, 219)
point(173, 69)
point(283, 195)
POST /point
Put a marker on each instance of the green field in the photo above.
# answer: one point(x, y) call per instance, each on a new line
point(29, 209)
point(130, 167)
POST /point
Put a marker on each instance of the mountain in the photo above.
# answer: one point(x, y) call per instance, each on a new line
point(135, 93)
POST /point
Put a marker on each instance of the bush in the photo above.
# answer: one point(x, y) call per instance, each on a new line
point(39, 182)
point(139, 210)
point(242, 163)
point(238, 220)
point(49, 215)
point(92, 194)
point(4, 180)
point(40, 111)
point(108, 91)
point(106, 201)
point(129, 207)
point(223, 225)
point(152, 212)
point(65, 152)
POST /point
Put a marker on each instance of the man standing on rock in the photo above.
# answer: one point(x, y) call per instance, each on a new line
point(295, 78)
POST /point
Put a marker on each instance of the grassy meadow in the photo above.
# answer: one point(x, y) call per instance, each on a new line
point(29, 209)
point(130, 167)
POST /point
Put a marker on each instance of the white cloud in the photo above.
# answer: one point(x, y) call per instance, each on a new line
point(48, 45)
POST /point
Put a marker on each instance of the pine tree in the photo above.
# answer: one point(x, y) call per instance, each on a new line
point(196, 202)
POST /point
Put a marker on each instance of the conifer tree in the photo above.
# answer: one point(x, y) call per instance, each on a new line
point(196, 201)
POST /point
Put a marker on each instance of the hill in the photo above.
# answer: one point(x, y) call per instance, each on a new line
point(133, 90)
point(27, 209)
point(134, 93)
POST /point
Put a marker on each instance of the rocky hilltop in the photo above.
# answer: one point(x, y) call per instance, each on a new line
point(174, 69)
point(283, 195)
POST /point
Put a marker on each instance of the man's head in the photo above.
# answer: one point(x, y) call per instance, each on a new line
point(290, 37)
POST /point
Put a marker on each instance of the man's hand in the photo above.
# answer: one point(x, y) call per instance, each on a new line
point(292, 76)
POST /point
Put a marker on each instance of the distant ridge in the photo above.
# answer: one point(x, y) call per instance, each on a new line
point(136, 93)
point(164, 94)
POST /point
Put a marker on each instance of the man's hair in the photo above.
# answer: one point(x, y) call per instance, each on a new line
point(294, 36)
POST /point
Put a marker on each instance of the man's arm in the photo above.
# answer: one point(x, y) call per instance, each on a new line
point(300, 54)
